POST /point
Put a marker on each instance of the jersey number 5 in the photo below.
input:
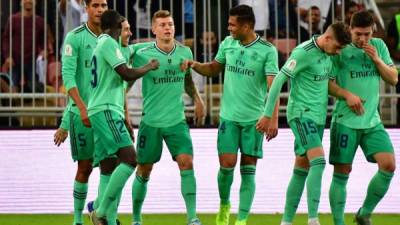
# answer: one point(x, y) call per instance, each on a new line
point(94, 72)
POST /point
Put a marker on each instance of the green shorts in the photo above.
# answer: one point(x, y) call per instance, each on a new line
point(110, 134)
point(150, 142)
point(307, 133)
point(345, 141)
point(81, 138)
point(239, 135)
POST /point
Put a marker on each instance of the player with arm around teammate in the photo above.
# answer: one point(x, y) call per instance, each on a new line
point(309, 68)
point(250, 65)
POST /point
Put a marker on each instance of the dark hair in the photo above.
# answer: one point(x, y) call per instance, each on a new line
point(111, 19)
point(349, 4)
point(362, 19)
point(244, 14)
point(341, 33)
point(87, 2)
point(314, 7)
point(160, 14)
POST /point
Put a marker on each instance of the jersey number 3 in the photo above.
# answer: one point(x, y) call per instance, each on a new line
point(94, 72)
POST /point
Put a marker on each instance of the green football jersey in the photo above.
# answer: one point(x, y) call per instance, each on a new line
point(356, 72)
point(76, 62)
point(163, 88)
point(108, 90)
point(309, 69)
point(245, 84)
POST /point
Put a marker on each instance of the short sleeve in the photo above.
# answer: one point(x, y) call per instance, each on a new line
point(221, 57)
point(112, 53)
point(271, 63)
point(295, 63)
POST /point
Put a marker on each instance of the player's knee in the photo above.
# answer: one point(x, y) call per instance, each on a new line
point(144, 171)
point(343, 169)
point(185, 163)
point(84, 170)
point(388, 166)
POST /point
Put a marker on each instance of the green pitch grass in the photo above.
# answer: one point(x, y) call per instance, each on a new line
point(179, 219)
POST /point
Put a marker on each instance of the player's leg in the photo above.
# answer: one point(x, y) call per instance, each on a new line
point(179, 143)
point(378, 147)
point(139, 191)
point(149, 148)
point(107, 166)
point(344, 143)
point(109, 127)
point(228, 144)
point(251, 148)
point(80, 188)
point(295, 188)
point(82, 147)
point(308, 137)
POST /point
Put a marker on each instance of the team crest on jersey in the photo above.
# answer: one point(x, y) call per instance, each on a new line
point(119, 54)
point(254, 56)
point(169, 61)
point(291, 65)
point(68, 50)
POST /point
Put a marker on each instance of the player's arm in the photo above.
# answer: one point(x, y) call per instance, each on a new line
point(131, 74)
point(209, 69)
point(68, 72)
point(62, 132)
point(387, 71)
point(199, 108)
point(264, 122)
point(128, 122)
point(273, 129)
point(354, 102)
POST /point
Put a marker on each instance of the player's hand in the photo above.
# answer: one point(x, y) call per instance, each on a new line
point(85, 117)
point(128, 124)
point(272, 130)
point(199, 112)
point(263, 124)
point(186, 64)
point(154, 64)
point(371, 52)
point(355, 103)
point(60, 136)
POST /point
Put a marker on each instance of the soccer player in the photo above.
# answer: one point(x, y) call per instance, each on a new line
point(106, 109)
point(108, 165)
point(309, 68)
point(76, 72)
point(250, 64)
point(359, 68)
point(163, 114)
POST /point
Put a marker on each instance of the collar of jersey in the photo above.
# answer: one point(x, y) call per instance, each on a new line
point(251, 43)
point(90, 31)
point(314, 40)
point(163, 52)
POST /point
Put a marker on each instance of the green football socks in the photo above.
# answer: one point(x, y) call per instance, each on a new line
point(80, 192)
point(188, 189)
point(314, 178)
point(377, 188)
point(247, 190)
point(117, 182)
point(139, 190)
point(293, 193)
point(337, 197)
point(225, 179)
